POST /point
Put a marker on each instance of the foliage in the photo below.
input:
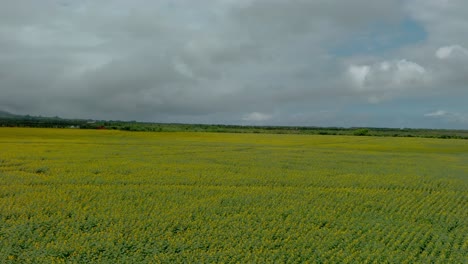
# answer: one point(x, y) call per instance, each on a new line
point(361, 132)
point(116, 196)
point(56, 122)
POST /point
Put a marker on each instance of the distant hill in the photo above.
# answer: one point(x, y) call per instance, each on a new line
point(8, 119)
point(5, 114)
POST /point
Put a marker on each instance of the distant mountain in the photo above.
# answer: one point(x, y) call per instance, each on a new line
point(5, 114)
point(8, 119)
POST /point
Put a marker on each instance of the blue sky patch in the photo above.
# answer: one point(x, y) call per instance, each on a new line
point(381, 38)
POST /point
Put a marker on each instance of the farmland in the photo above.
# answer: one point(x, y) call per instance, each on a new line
point(70, 195)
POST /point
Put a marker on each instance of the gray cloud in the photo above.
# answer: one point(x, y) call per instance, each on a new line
point(219, 61)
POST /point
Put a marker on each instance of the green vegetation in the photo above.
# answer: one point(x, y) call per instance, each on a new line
point(10, 120)
point(361, 132)
point(71, 195)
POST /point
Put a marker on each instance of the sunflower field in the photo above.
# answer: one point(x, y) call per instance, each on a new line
point(98, 196)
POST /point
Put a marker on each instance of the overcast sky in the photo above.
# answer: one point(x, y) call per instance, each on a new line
point(385, 63)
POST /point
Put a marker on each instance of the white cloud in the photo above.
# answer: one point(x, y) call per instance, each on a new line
point(383, 80)
point(449, 116)
point(448, 51)
point(359, 74)
point(406, 72)
point(256, 117)
point(437, 113)
point(387, 75)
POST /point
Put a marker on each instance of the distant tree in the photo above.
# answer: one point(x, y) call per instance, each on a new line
point(361, 132)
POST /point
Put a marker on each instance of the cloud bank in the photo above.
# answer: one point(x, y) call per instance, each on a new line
point(226, 61)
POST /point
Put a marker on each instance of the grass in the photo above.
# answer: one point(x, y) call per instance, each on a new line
point(112, 196)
